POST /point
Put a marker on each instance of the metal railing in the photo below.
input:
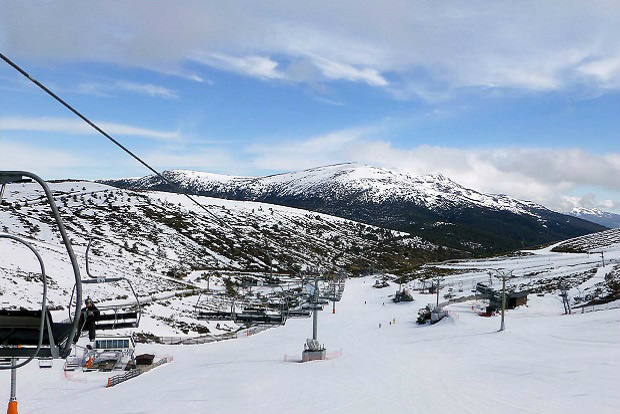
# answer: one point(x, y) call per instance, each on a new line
point(120, 378)
point(206, 339)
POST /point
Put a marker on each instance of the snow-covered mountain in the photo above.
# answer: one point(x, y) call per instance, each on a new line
point(595, 215)
point(163, 243)
point(341, 181)
point(431, 206)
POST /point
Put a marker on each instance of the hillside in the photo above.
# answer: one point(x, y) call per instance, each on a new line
point(431, 206)
point(157, 240)
point(590, 242)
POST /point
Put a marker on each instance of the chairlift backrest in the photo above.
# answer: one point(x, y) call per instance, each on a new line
point(44, 319)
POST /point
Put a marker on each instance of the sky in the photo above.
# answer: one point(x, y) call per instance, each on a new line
point(520, 98)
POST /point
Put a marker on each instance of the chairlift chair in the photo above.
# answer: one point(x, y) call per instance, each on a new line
point(29, 334)
point(260, 315)
point(213, 315)
point(113, 317)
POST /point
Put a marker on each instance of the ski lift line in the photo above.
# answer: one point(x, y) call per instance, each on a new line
point(109, 137)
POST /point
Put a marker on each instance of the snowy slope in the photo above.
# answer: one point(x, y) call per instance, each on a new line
point(431, 206)
point(544, 362)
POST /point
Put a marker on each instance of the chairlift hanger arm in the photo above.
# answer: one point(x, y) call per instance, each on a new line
point(99, 279)
point(43, 303)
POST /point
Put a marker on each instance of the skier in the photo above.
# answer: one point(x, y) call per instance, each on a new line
point(88, 317)
point(379, 325)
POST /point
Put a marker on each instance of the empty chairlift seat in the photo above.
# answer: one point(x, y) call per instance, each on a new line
point(20, 328)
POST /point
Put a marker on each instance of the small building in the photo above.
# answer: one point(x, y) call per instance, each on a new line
point(513, 299)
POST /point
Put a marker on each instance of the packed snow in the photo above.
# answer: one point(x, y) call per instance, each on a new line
point(544, 361)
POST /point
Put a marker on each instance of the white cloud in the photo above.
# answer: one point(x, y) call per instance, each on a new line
point(525, 45)
point(42, 160)
point(588, 200)
point(211, 159)
point(108, 89)
point(292, 155)
point(255, 66)
point(604, 71)
point(77, 126)
point(336, 70)
point(147, 89)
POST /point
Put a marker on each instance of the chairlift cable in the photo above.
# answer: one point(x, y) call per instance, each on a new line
point(114, 141)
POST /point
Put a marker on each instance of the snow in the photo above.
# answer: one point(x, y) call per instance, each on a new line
point(543, 362)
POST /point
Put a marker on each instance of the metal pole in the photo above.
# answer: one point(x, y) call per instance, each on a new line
point(334, 295)
point(12, 408)
point(315, 312)
point(502, 327)
point(437, 292)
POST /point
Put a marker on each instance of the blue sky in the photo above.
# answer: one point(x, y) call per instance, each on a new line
point(519, 98)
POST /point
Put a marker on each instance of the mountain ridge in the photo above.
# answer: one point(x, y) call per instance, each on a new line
point(430, 206)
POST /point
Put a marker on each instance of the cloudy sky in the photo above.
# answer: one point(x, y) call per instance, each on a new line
point(521, 98)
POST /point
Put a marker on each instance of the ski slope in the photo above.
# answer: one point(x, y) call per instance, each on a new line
point(544, 362)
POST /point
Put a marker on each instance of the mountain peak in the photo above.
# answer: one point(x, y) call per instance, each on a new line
point(595, 215)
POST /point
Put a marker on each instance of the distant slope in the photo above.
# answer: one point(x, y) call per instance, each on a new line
point(431, 206)
point(595, 215)
point(590, 242)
